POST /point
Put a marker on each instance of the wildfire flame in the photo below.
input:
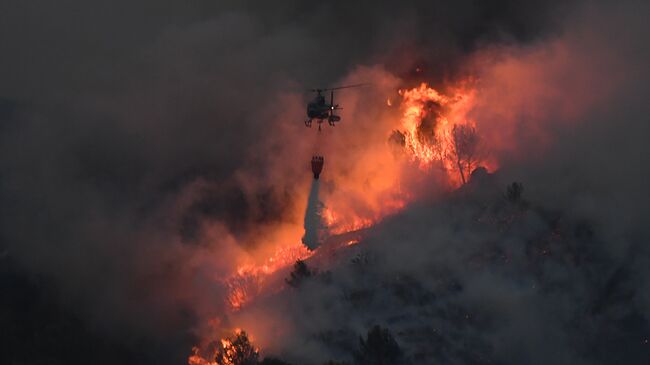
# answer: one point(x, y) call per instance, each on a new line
point(434, 130)
point(435, 127)
point(428, 124)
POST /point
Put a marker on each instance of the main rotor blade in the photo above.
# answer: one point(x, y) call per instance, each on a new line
point(338, 87)
point(346, 86)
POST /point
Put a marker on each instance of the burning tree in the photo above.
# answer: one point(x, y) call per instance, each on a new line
point(437, 128)
point(466, 147)
point(233, 350)
point(236, 350)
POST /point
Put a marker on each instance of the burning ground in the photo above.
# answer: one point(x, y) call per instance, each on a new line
point(154, 179)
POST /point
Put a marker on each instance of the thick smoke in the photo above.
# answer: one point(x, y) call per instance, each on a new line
point(146, 148)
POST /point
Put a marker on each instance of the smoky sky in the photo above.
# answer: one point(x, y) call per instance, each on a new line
point(125, 129)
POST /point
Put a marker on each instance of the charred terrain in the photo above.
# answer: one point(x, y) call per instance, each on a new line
point(481, 200)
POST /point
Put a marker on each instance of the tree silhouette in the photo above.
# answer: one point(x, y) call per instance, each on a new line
point(273, 361)
point(466, 147)
point(379, 348)
point(300, 272)
point(514, 192)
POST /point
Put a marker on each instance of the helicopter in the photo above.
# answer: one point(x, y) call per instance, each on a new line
point(318, 109)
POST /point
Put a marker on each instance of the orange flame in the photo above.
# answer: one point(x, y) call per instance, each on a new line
point(428, 123)
point(428, 127)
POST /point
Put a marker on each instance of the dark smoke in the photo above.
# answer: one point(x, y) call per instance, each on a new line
point(136, 144)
